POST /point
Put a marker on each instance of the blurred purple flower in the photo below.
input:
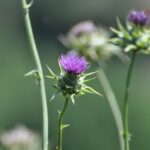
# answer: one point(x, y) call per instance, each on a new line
point(83, 27)
point(138, 17)
point(73, 63)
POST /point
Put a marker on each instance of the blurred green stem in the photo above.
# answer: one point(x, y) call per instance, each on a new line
point(60, 125)
point(39, 69)
point(112, 101)
point(126, 133)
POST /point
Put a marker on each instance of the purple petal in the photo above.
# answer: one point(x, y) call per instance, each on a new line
point(73, 63)
point(138, 17)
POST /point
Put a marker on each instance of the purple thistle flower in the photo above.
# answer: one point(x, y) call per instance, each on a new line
point(138, 17)
point(73, 63)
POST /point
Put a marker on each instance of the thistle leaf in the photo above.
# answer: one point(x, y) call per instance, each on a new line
point(31, 73)
point(88, 80)
point(61, 69)
point(50, 77)
point(27, 6)
point(51, 72)
point(91, 73)
point(92, 90)
point(117, 41)
point(116, 32)
point(123, 30)
point(30, 4)
point(87, 91)
point(128, 25)
point(54, 95)
point(59, 112)
point(55, 86)
point(72, 99)
point(130, 47)
point(64, 126)
point(120, 26)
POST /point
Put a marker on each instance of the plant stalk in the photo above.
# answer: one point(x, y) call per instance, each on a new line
point(60, 125)
point(39, 69)
point(126, 134)
point(112, 101)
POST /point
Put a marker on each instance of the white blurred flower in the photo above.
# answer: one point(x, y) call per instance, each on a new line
point(21, 138)
point(91, 41)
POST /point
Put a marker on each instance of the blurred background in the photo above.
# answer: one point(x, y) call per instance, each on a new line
point(92, 126)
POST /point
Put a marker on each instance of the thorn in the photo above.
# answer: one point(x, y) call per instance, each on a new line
point(72, 99)
point(61, 70)
point(91, 73)
point(51, 72)
point(30, 73)
point(59, 112)
point(54, 95)
point(92, 90)
point(64, 126)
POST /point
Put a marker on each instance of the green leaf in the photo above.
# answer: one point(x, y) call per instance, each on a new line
point(129, 48)
point(64, 126)
point(116, 32)
point(123, 30)
point(31, 73)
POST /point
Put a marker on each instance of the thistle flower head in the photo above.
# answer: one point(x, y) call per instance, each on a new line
point(73, 63)
point(71, 81)
point(138, 17)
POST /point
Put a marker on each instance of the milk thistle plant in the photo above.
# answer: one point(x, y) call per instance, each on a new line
point(134, 38)
point(92, 42)
point(70, 82)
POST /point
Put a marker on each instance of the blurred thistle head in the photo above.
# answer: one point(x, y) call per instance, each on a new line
point(83, 28)
point(21, 138)
point(71, 80)
point(90, 41)
point(140, 18)
point(135, 35)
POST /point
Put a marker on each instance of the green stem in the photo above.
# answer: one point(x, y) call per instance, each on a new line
point(60, 125)
point(40, 71)
point(125, 115)
point(112, 101)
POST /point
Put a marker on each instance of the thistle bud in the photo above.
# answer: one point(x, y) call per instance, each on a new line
point(135, 36)
point(138, 17)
